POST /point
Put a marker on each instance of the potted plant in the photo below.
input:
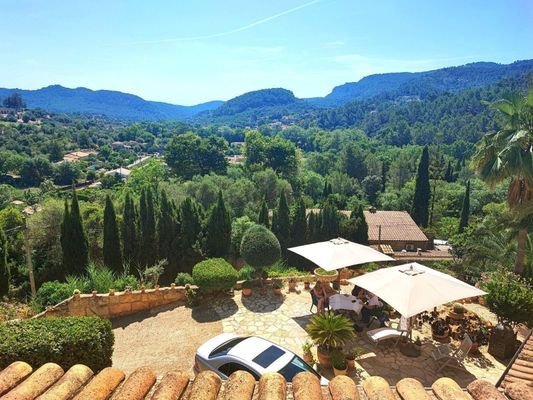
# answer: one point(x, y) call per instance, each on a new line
point(418, 342)
point(479, 336)
point(307, 354)
point(326, 276)
point(352, 355)
point(307, 285)
point(247, 288)
point(339, 363)
point(440, 330)
point(458, 312)
point(292, 284)
point(277, 285)
point(329, 332)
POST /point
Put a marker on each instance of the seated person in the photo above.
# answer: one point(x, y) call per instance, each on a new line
point(371, 307)
point(319, 293)
point(328, 290)
point(358, 292)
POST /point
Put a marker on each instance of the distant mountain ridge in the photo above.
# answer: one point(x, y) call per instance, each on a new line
point(275, 102)
point(450, 79)
point(106, 102)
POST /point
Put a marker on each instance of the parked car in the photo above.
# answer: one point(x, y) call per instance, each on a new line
point(227, 353)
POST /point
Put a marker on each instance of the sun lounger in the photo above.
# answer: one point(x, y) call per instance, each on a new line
point(378, 335)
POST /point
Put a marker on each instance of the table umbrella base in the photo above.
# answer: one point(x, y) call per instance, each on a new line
point(410, 349)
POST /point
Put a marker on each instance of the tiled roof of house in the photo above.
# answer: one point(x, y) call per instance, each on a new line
point(521, 368)
point(395, 226)
point(19, 382)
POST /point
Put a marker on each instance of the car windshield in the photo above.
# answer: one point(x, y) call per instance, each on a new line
point(224, 348)
point(295, 366)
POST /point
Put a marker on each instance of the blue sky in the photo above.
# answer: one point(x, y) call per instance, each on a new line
point(186, 52)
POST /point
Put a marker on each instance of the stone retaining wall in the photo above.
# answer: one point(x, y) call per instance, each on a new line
point(115, 304)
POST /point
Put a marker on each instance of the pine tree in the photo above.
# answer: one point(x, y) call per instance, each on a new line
point(263, 215)
point(281, 223)
point(420, 207)
point(218, 234)
point(4, 269)
point(112, 250)
point(361, 231)
point(298, 232)
point(353, 162)
point(73, 240)
point(465, 211)
point(148, 256)
point(130, 232)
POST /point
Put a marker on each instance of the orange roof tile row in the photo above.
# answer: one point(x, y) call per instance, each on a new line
point(395, 226)
point(521, 369)
point(19, 382)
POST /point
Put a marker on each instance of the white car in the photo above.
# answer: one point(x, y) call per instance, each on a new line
point(227, 353)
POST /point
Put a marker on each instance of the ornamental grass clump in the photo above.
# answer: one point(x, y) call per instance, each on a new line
point(330, 331)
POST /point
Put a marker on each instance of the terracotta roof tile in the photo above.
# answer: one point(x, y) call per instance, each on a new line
point(49, 382)
point(395, 226)
point(521, 368)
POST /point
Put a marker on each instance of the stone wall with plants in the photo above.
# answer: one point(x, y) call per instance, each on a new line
point(115, 304)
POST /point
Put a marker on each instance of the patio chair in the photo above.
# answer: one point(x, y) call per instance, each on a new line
point(389, 332)
point(447, 354)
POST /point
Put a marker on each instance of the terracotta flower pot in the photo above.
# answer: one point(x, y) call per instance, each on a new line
point(308, 357)
point(474, 349)
point(307, 285)
point(292, 285)
point(277, 291)
point(246, 292)
point(326, 278)
point(440, 338)
point(350, 363)
point(344, 282)
point(324, 357)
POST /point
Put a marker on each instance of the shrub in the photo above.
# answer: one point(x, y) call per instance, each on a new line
point(280, 269)
point(101, 278)
point(214, 274)
point(65, 341)
point(51, 293)
point(259, 247)
point(246, 273)
point(330, 331)
point(183, 279)
point(124, 281)
point(510, 297)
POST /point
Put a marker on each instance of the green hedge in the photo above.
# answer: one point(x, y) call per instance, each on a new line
point(214, 274)
point(65, 341)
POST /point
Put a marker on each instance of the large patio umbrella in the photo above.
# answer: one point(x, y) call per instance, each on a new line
point(339, 253)
point(413, 288)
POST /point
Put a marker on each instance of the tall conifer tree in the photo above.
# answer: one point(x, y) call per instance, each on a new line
point(465, 211)
point(420, 207)
point(148, 229)
point(4, 269)
point(298, 223)
point(361, 231)
point(329, 220)
point(263, 215)
point(281, 225)
point(218, 234)
point(112, 249)
point(130, 232)
point(73, 240)
point(190, 229)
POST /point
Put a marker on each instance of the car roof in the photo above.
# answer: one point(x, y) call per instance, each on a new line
point(253, 346)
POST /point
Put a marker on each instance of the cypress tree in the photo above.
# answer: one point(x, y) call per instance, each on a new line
point(329, 221)
point(263, 215)
point(148, 246)
point(311, 235)
point(165, 226)
point(465, 211)
point(73, 240)
point(190, 229)
point(218, 234)
point(130, 232)
point(4, 269)
point(327, 190)
point(112, 250)
point(361, 227)
point(281, 223)
point(298, 223)
point(449, 175)
point(384, 169)
point(420, 207)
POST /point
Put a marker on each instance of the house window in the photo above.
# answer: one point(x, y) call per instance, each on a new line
point(410, 247)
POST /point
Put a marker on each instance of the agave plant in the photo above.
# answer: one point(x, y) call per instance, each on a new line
point(330, 331)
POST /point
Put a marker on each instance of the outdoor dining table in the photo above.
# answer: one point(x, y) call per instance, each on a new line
point(345, 302)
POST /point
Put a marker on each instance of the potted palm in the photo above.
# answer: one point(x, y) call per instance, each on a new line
point(329, 332)
point(338, 361)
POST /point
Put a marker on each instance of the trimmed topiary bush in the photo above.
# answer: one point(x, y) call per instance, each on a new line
point(65, 341)
point(183, 279)
point(51, 293)
point(259, 247)
point(214, 275)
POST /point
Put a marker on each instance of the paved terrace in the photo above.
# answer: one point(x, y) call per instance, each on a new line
point(167, 338)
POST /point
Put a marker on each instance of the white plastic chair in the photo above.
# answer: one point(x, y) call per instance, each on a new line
point(445, 352)
point(401, 330)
